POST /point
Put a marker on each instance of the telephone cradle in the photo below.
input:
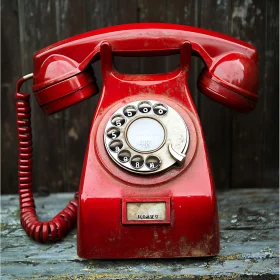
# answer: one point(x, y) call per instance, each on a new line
point(146, 189)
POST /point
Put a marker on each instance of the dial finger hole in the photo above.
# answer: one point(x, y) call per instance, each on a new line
point(137, 161)
point(124, 156)
point(144, 107)
point(118, 120)
point(152, 162)
point(129, 111)
point(160, 109)
point(116, 146)
point(113, 133)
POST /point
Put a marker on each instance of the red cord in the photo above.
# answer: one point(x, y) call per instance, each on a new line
point(61, 224)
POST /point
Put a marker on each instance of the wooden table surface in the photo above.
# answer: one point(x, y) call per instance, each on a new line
point(249, 245)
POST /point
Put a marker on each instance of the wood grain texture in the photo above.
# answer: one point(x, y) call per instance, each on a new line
point(10, 73)
point(248, 24)
point(215, 118)
point(243, 148)
point(37, 30)
point(106, 13)
point(153, 11)
point(71, 20)
point(271, 98)
point(249, 245)
point(185, 12)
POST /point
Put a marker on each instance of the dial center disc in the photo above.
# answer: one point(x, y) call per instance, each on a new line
point(145, 134)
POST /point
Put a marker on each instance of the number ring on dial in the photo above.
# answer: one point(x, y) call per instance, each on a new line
point(138, 134)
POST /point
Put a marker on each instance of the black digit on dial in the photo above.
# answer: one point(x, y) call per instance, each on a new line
point(113, 133)
point(129, 111)
point(160, 109)
point(116, 145)
point(152, 162)
point(124, 156)
point(118, 120)
point(137, 161)
point(144, 107)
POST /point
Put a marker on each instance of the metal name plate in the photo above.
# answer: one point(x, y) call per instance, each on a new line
point(139, 211)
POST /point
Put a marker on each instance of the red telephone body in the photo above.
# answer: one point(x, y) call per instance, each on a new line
point(184, 219)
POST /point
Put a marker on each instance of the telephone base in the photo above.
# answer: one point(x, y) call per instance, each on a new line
point(191, 231)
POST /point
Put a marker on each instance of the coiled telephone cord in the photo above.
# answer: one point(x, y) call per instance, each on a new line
point(60, 225)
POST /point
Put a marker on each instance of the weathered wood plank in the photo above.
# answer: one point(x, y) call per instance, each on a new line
point(249, 245)
point(271, 95)
point(243, 148)
point(106, 13)
point(121, 12)
point(71, 20)
point(248, 24)
point(10, 73)
point(153, 11)
point(38, 30)
point(215, 118)
point(95, 20)
point(186, 13)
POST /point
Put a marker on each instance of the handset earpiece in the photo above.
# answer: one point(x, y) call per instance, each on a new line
point(231, 81)
point(60, 84)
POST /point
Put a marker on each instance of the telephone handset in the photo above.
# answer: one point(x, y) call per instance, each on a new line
point(146, 188)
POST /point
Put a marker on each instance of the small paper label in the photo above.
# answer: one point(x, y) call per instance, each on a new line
point(146, 211)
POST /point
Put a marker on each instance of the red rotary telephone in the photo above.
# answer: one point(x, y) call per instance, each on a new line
point(146, 189)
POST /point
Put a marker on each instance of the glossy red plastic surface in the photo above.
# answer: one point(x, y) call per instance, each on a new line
point(141, 39)
point(105, 187)
point(233, 81)
point(230, 63)
point(67, 92)
point(239, 100)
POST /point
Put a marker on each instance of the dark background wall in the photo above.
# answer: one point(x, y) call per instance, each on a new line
point(243, 148)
